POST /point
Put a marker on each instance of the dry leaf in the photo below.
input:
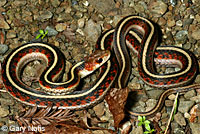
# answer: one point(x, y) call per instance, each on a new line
point(44, 116)
point(116, 99)
point(193, 113)
point(63, 128)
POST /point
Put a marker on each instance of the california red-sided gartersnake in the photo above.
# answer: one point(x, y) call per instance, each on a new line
point(138, 33)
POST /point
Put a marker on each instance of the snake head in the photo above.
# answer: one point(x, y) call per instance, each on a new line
point(94, 61)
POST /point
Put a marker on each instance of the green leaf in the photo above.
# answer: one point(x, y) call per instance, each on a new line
point(152, 130)
point(147, 126)
point(41, 31)
point(46, 32)
point(147, 122)
point(140, 123)
point(144, 118)
point(38, 36)
point(140, 118)
point(146, 132)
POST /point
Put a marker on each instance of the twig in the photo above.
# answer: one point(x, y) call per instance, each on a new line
point(172, 113)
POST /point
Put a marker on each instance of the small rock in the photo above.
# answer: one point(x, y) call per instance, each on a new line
point(61, 27)
point(196, 98)
point(189, 94)
point(179, 23)
point(3, 48)
point(181, 36)
point(197, 80)
point(99, 109)
point(196, 34)
point(137, 130)
point(3, 112)
point(11, 34)
point(154, 94)
point(81, 23)
point(3, 24)
point(2, 2)
point(19, 3)
point(171, 22)
point(169, 103)
point(5, 101)
point(51, 31)
point(158, 8)
point(184, 106)
point(55, 3)
point(162, 21)
point(103, 6)
point(180, 119)
point(92, 30)
point(172, 97)
point(195, 128)
point(44, 15)
point(178, 131)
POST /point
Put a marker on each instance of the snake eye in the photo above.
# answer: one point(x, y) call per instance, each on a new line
point(99, 60)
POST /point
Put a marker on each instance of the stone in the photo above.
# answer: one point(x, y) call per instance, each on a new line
point(92, 30)
point(184, 106)
point(51, 31)
point(2, 2)
point(3, 48)
point(196, 34)
point(158, 8)
point(4, 24)
point(189, 94)
point(61, 27)
point(180, 119)
point(3, 112)
point(195, 128)
point(103, 6)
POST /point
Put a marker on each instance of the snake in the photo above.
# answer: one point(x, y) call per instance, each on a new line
point(131, 33)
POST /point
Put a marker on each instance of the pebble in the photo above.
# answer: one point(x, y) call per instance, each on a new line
point(179, 23)
point(190, 94)
point(19, 3)
point(81, 22)
point(184, 106)
point(44, 15)
point(197, 80)
point(178, 131)
point(92, 30)
point(103, 6)
point(180, 119)
point(3, 24)
point(158, 8)
point(55, 3)
point(5, 101)
point(196, 34)
point(195, 128)
point(11, 34)
point(154, 94)
point(169, 103)
point(171, 22)
point(3, 48)
point(181, 36)
point(61, 27)
point(99, 109)
point(51, 31)
point(2, 2)
point(196, 98)
point(162, 21)
point(3, 112)
point(137, 130)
